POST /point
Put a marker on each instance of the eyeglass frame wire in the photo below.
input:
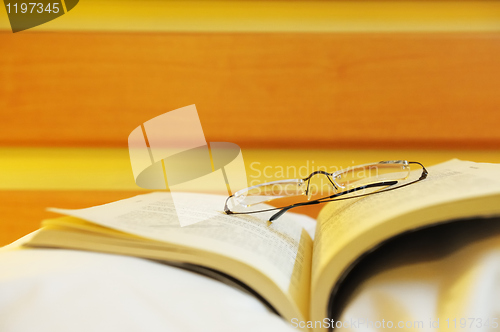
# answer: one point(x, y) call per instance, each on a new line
point(332, 198)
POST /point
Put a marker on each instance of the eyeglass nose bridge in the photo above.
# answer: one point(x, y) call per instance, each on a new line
point(308, 179)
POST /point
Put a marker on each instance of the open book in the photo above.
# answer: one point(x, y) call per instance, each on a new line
point(295, 275)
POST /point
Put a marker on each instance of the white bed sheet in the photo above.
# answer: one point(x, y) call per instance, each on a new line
point(48, 290)
point(441, 280)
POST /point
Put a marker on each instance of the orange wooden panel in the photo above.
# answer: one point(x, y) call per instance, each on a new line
point(257, 90)
point(22, 211)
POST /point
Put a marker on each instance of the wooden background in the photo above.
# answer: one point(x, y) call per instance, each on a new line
point(350, 90)
point(290, 75)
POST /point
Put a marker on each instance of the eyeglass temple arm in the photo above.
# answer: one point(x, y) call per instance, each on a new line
point(226, 208)
point(424, 171)
point(325, 199)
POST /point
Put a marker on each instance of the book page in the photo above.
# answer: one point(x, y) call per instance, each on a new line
point(273, 249)
point(341, 222)
point(347, 229)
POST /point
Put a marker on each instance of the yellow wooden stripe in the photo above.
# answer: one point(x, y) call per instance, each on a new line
point(65, 169)
point(276, 16)
point(109, 169)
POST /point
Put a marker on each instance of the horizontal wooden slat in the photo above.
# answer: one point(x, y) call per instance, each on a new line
point(267, 90)
point(108, 169)
point(275, 16)
point(22, 211)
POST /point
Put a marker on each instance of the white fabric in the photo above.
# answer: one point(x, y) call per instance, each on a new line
point(404, 298)
point(455, 279)
point(63, 290)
